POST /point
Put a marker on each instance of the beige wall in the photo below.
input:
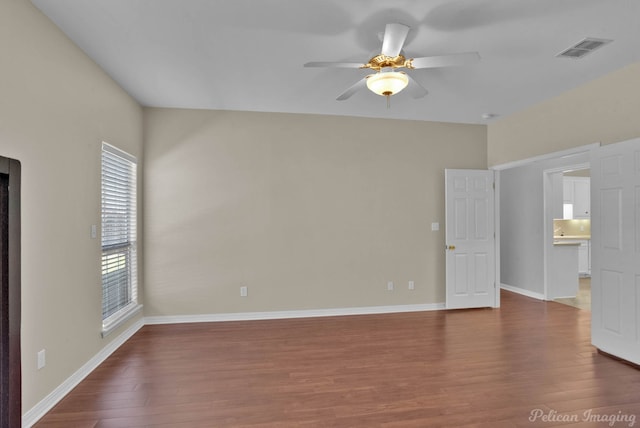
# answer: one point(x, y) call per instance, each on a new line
point(56, 107)
point(307, 211)
point(605, 110)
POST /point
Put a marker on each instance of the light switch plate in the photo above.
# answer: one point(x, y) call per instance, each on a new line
point(435, 227)
point(41, 359)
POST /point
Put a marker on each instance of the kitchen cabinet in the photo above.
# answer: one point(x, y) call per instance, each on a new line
point(584, 258)
point(563, 278)
point(581, 197)
point(577, 192)
point(567, 190)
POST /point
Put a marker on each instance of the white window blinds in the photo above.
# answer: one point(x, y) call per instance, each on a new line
point(119, 266)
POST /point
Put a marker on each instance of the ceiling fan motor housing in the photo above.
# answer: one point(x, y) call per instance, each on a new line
point(381, 61)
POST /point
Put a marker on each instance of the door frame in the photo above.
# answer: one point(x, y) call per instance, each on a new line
point(496, 234)
point(523, 162)
point(10, 282)
point(547, 192)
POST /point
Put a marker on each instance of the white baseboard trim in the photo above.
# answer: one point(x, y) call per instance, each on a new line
point(311, 313)
point(47, 403)
point(522, 291)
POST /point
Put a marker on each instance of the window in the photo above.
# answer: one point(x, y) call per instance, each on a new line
point(119, 265)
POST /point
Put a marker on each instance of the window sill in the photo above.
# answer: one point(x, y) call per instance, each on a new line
point(116, 320)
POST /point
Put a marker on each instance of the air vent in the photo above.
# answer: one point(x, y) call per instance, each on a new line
point(583, 47)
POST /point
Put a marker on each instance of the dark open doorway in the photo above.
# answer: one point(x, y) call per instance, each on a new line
point(10, 369)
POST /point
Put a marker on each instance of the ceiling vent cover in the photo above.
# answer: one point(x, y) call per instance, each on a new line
point(583, 47)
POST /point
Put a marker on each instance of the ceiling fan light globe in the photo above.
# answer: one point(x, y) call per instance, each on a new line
point(387, 83)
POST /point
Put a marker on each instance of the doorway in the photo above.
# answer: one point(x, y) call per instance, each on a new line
point(526, 219)
point(575, 227)
point(615, 236)
point(10, 364)
point(567, 234)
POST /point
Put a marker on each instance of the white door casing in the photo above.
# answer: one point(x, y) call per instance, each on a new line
point(470, 238)
point(615, 246)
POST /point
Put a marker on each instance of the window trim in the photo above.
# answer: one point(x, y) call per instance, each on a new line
point(115, 320)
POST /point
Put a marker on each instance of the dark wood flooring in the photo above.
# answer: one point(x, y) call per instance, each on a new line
point(481, 367)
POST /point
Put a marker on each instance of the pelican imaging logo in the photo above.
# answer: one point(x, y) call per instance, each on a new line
point(609, 419)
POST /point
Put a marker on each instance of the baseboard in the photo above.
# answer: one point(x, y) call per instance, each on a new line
point(311, 313)
point(47, 403)
point(522, 291)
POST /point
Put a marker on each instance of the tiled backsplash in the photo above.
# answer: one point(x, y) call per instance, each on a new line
point(576, 227)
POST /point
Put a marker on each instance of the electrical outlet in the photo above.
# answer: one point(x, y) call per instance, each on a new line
point(244, 291)
point(412, 285)
point(41, 359)
point(390, 286)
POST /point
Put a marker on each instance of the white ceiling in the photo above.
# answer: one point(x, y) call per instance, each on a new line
point(249, 54)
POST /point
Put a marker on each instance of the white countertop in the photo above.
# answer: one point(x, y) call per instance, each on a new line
point(573, 237)
point(566, 244)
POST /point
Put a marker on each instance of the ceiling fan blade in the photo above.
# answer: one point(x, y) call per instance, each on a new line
point(445, 60)
point(334, 64)
point(360, 84)
point(415, 89)
point(394, 37)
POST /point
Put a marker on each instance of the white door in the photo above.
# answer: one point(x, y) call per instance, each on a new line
point(615, 246)
point(470, 239)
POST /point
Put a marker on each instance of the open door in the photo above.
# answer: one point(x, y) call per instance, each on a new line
point(470, 239)
point(615, 246)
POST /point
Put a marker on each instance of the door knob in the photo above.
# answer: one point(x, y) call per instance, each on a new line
point(450, 247)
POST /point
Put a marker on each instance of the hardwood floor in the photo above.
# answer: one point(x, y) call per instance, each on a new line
point(481, 367)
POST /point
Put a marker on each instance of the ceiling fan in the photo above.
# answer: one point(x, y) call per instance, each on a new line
point(386, 80)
